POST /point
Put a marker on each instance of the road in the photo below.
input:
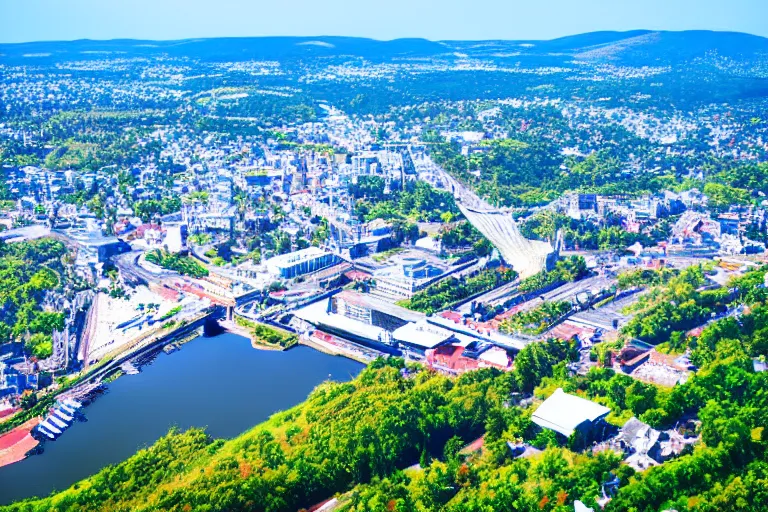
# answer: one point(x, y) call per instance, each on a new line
point(569, 290)
point(129, 268)
point(493, 297)
point(604, 317)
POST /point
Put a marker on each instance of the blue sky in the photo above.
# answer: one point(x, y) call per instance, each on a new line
point(35, 20)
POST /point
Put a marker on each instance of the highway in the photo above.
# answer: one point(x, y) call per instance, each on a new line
point(130, 269)
point(433, 173)
point(569, 290)
point(493, 297)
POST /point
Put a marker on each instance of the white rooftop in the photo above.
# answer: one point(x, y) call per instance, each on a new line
point(291, 258)
point(562, 412)
point(317, 314)
point(496, 356)
point(422, 333)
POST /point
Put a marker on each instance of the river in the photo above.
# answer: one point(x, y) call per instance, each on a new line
point(221, 383)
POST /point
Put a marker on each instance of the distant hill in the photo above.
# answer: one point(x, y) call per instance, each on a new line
point(671, 47)
point(221, 49)
point(638, 47)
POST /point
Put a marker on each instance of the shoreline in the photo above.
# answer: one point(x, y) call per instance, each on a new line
point(332, 349)
point(20, 442)
point(232, 328)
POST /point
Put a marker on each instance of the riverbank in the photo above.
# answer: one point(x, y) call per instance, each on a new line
point(233, 328)
point(182, 389)
point(263, 335)
point(15, 445)
point(334, 346)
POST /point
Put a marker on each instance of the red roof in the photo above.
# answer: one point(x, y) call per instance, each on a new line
point(8, 412)
point(357, 275)
point(566, 331)
point(144, 227)
point(452, 315)
point(449, 356)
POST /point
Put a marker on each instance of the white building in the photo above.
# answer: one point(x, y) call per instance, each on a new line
point(566, 413)
point(301, 262)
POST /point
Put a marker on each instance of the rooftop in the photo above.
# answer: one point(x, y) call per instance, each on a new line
point(563, 413)
point(374, 304)
point(292, 258)
point(317, 314)
point(422, 333)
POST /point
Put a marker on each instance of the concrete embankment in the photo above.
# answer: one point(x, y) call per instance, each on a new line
point(336, 347)
point(148, 341)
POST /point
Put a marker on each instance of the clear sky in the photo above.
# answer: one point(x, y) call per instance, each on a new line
point(37, 20)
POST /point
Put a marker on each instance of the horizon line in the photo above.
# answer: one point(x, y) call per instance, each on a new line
point(415, 38)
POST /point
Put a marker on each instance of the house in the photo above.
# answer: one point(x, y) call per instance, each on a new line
point(566, 414)
point(642, 442)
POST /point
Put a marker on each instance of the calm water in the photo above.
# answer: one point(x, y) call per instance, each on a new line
point(221, 383)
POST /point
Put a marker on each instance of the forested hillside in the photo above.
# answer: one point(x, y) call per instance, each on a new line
point(28, 270)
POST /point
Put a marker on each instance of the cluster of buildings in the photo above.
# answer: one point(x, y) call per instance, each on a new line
point(390, 329)
point(273, 221)
point(696, 229)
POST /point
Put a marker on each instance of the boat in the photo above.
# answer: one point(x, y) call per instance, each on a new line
point(45, 432)
point(56, 421)
point(50, 426)
point(61, 414)
point(129, 368)
point(73, 403)
point(69, 410)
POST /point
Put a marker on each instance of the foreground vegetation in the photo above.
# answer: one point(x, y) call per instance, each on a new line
point(355, 438)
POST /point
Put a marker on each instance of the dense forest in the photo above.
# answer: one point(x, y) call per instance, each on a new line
point(28, 271)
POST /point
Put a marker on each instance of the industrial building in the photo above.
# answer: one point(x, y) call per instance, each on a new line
point(566, 414)
point(421, 336)
point(301, 262)
point(360, 318)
